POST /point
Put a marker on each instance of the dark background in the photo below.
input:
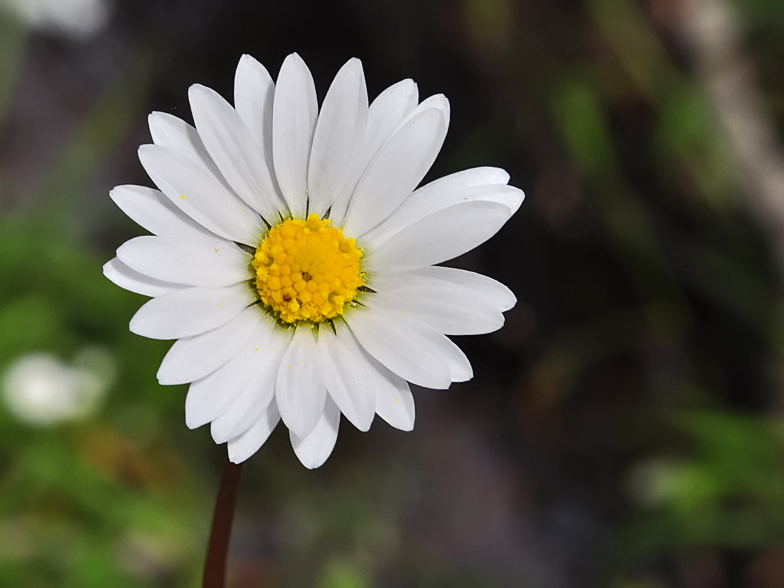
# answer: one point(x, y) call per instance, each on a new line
point(624, 428)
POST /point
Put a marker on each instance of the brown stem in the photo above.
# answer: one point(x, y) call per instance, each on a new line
point(215, 564)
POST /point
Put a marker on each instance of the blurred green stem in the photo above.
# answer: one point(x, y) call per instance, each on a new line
point(215, 564)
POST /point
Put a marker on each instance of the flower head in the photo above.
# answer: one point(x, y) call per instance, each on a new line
point(74, 18)
point(293, 257)
point(41, 390)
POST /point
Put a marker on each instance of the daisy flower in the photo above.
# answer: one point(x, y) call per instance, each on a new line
point(293, 258)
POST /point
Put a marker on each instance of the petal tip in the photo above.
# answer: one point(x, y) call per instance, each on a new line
point(247, 64)
point(405, 427)
point(116, 194)
point(509, 303)
point(294, 62)
point(135, 328)
point(192, 423)
point(107, 268)
point(192, 420)
point(293, 58)
point(309, 462)
point(355, 63)
point(145, 151)
point(237, 457)
point(166, 379)
point(197, 91)
point(365, 426)
point(154, 116)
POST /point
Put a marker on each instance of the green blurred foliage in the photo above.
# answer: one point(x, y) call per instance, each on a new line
point(728, 491)
point(104, 502)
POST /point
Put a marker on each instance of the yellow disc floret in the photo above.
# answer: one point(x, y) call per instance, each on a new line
point(306, 270)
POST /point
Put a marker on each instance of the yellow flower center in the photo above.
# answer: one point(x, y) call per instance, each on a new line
point(307, 270)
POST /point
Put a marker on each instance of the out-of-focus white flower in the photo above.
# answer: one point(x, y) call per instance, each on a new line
point(75, 18)
point(41, 390)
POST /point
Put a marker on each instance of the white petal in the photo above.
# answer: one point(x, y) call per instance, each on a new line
point(199, 195)
point(314, 449)
point(338, 138)
point(437, 101)
point(457, 363)
point(483, 291)
point(211, 396)
point(450, 315)
point(151, 210)
point(414, 209)
point(345, 370)
point(174, 133)
point(440, 236)
point(245, 410)
point(254, 92)
point(244, 446)
point(397, 169)
point(394, 401)
point(131, 280)
point(300, 389)
point(210, 265)
point(460, 368)
point(454, 302)
point(384, 115)
point(439, 195)
point(467, 178)
point(258, 392)
point(192, 358)
point(294, 114)
point(190, 311)
point(403, 344)
point(235, 151)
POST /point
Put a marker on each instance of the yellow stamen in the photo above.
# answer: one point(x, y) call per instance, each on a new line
point(307, 270)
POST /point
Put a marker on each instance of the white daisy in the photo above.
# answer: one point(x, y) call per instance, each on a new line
point(293, 258)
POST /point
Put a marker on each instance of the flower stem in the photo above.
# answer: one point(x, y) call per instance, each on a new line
point(215, 564)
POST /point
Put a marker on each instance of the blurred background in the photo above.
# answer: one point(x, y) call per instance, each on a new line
point(624, 429)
